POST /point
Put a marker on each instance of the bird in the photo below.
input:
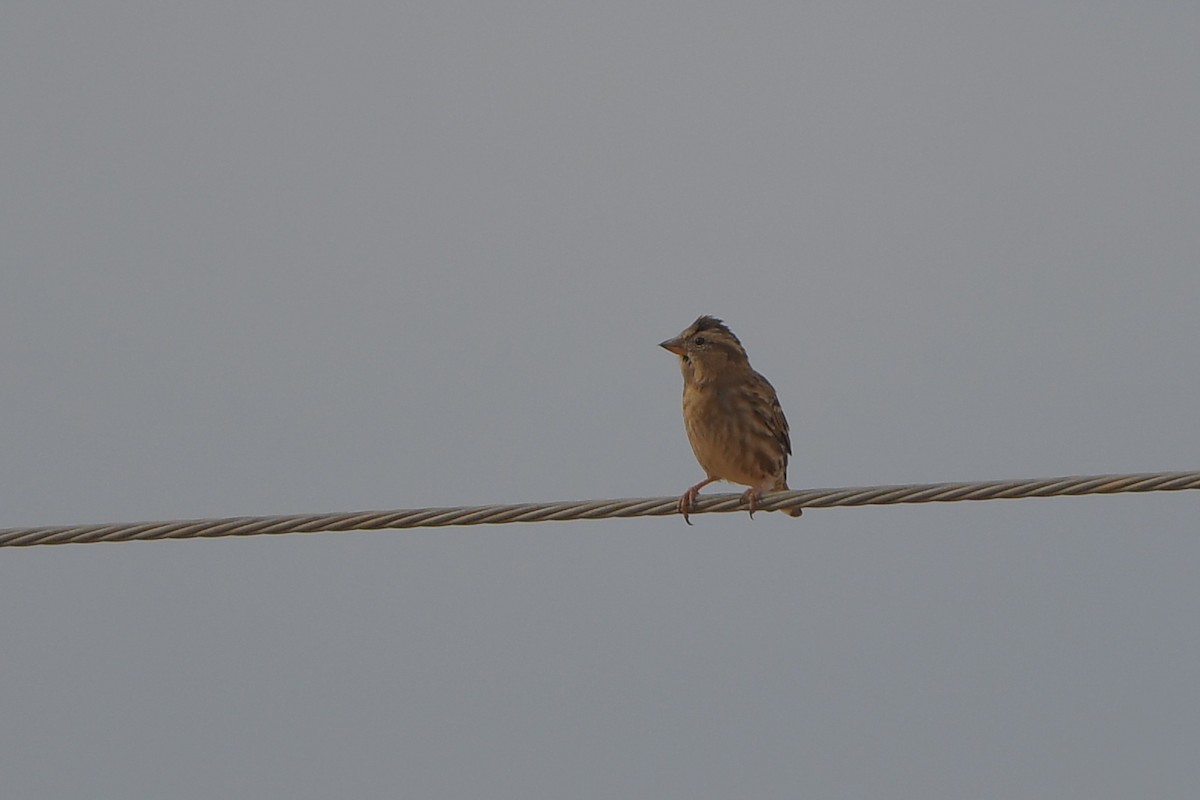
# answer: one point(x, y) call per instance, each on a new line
point(732, 415)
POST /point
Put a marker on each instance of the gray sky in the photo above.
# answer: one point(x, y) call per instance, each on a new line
point(272, 258)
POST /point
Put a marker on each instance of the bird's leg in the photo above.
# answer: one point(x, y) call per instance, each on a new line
point(688, 501)
point(750, 498)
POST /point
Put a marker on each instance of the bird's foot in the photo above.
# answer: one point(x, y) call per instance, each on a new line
point(687, 503)
point(750, 498)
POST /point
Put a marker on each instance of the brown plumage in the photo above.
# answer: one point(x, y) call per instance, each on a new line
point(732, 415)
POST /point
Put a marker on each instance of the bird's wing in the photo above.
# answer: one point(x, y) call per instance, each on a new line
point(769, 411)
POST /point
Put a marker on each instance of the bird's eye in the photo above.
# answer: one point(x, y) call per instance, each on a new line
point(699, 340)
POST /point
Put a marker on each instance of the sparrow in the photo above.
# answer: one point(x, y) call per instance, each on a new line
point(732, 415)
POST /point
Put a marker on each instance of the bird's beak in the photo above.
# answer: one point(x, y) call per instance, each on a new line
point(674, 345)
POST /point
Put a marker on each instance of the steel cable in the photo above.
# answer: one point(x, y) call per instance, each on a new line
point(598, 509)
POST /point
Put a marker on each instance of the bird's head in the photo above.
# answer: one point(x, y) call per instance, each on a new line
point(708, 350)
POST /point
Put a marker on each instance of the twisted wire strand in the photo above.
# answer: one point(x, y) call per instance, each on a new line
point(598, 509)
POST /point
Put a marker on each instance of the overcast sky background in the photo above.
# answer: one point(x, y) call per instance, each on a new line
point(265, 258)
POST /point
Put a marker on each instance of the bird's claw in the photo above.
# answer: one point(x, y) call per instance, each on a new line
point(687, 503)
point(750, 498)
